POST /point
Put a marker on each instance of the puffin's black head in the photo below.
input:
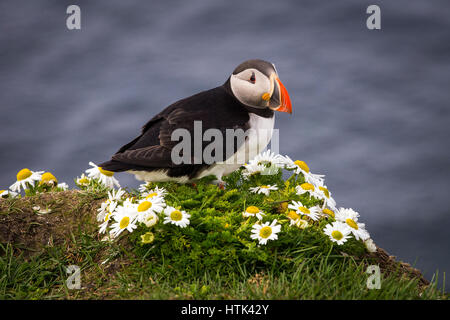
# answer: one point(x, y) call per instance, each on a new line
point(255, 83)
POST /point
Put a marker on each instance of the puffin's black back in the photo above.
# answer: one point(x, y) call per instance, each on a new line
point(216, 108)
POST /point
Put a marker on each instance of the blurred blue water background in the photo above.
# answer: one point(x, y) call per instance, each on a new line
point(371, 108)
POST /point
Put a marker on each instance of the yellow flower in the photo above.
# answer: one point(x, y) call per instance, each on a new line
point(302, 224)
point(253, 211)
point(25, 178)
point(302, 165)
point(48, 179)
point(147, 238)
point(83, 180)
point(298, 207)
point(328, 212)
point(104, 176)
point(293, 215)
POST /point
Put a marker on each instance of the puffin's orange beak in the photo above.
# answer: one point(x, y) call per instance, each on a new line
point(285, 101)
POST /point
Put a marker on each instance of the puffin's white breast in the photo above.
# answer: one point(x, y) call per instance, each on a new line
point(260, 133)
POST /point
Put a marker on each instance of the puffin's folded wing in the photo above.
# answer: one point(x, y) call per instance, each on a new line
point(153, 156)
point(154, 146)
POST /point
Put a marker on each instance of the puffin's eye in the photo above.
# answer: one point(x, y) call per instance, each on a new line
point(253, 78)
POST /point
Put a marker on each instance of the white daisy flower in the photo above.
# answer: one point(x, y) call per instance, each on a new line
point(156, 192)
point(104, 176)
point(302, 224)
point(301, 167)
point(253, 211)
point(125, 219)
point(307, 188)
point(358, 229)
point(350, 217)
point(177, 217)
point(324, 194)
point(63, 186)
point(7, 193)
point(115, 195)
point(265, 189)
point(265, 232)
point(144, 187)
point(346, 213)
point(109, 206)
point(146, 207)
point(300, 209)
point(269, 158)
point(266, 163)
point(338, 232)
point(151, 219)
point(83, 180)
point(253, 168)
point(293, 217)
point(106, 207)
point(106, 219)
point(370, 245)
point(296, 220)
point(25, 176)
point(327, 212)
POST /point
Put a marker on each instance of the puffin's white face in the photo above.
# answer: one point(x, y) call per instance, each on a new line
point(252, 88)
point(255, 83)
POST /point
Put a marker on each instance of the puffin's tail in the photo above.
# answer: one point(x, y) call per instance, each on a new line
point(114, 166)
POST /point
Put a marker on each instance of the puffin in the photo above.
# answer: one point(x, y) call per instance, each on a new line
point(247, 101)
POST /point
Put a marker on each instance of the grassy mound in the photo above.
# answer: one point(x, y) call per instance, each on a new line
point(213, 258)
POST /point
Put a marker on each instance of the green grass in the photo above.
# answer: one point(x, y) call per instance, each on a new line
point(213, 258)
point(128, 276)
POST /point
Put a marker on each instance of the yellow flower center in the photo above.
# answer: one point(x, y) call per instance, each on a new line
point(124, 222)
point(307, 186)
point(304, 210)
point(144, 206)
point(23, 174)
point(48, 177)
point(265, 232)
point(83, 180)
point(293, 215)
point(252, 210)
point(264, 187)
point(325, 191)
point(1, 191)
point(176, 215)
point(352, 223)
point(107, 216)
point(302, 165)
point(106, 172)
point(336, 234)
point(328, 212)
point(151, 195)
point(148, 237)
